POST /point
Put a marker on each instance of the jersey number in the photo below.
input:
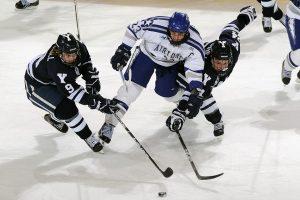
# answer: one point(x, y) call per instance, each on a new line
point(69, 87)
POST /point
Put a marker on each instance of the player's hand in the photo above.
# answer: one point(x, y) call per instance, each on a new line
point(175, 120)
point(121, 57)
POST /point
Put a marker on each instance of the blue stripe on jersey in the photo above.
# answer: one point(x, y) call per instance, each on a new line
point(196, 43)
point(156, 30)
point(197, 71)
point(195, 30)
point(128, 27)
point(196, 84)
point(159, 26)
point(196, 47)
point(162, 17)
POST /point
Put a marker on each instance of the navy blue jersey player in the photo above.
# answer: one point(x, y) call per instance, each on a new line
point(50, 83)
point(270, 10)
point(220, 58)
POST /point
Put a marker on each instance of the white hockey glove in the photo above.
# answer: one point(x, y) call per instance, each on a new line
point(247, 14)
point(176, 119)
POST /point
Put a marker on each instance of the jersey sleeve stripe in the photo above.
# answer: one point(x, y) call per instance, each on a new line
point(159, 26)
point(161, 18)
point(156, 30)
point(198, 48)
point(74, 94)
point(79, 96)
point(195, 30)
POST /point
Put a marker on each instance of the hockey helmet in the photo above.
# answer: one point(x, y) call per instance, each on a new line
point(67, 43)
point(179, 22)
point(221, 50)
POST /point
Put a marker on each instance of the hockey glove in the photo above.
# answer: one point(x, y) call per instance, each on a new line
point(121, 57)
point(92, 84)
point(247, 15)
point(101, 104)
point(175, 120)
point(194, 104)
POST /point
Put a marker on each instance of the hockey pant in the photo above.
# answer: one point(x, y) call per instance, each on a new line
point(48, 98)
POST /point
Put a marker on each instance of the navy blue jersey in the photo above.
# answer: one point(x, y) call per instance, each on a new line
point(211, 77)
point(48, 68)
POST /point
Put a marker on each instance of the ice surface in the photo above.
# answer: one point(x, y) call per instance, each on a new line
point(259, 153)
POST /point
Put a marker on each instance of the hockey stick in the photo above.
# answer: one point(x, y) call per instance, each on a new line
point(77, 19)
point(168, 172)
point(135, 52)
point(192, 162)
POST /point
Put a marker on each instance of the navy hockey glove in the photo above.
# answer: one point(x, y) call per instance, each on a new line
point(247, 15)
point(101, 104)
point(121, 57)
point(194, 104)
point(92, 84)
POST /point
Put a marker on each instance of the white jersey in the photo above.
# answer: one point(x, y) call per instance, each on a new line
point(156, 45)
point(293, 9)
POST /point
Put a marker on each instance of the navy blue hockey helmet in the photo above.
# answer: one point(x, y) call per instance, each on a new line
point(67, 43)
point(221, 50)
point(179, 22)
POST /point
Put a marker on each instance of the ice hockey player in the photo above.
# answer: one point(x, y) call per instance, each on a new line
point(220, 58)
point(292, 60)
point(50, 83)
point(165, 42)
point(23, 4)
point(270, 10)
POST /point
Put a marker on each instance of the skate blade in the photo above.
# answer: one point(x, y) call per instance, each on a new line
point(103, 144)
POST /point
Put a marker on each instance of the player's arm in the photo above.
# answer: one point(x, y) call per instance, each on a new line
point(134, 32)
point(75, 92)
point(89, 72)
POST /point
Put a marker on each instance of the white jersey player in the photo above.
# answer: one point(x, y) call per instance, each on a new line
point(166, 41)
point(292, 22)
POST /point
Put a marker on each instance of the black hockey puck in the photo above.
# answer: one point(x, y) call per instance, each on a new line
point(162, 194)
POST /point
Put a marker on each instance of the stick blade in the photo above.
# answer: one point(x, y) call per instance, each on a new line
point(168, 172)
point(209, 177)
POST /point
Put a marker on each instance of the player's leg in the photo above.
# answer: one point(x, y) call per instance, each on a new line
point(62, 109)
point(137, 79)
point(212, 113)
point(267, 11)
point(292, 60)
